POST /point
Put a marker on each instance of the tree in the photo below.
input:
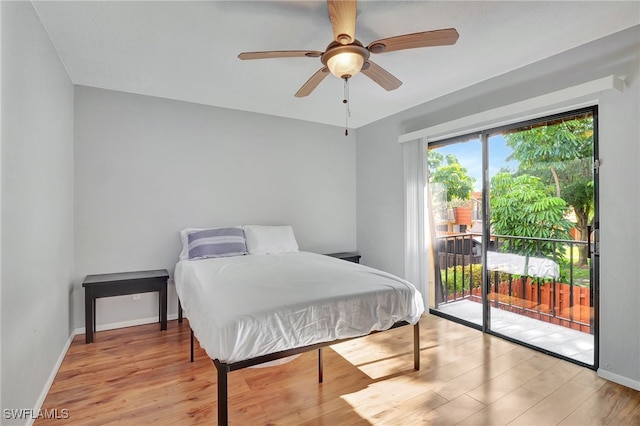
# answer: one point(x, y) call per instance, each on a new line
point(561, 155)
point(452, 175)
point(522, 206)
point(434, 160)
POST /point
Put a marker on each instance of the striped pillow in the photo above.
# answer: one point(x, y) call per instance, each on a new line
point(218, 242)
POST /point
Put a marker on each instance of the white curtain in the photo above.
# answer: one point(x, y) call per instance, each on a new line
point(415, 248)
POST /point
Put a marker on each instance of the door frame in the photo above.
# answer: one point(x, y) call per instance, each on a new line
point(594, 247)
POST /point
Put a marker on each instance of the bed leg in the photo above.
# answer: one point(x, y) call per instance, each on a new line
point(223, 414)
point(319, 365)
point(416, 346)
point(191, 345)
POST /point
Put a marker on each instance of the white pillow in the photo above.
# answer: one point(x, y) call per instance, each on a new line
point(270, 239)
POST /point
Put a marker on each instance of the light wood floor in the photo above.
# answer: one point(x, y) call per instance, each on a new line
point(140, 375)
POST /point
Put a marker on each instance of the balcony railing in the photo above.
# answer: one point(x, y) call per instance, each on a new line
point(538, 278)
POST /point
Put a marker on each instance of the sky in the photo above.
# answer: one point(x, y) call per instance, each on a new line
point(469, 155)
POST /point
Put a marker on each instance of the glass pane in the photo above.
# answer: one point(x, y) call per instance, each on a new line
point(455, 183)
point(538, 257)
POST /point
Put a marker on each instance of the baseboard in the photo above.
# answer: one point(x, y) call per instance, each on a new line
point(52, 376)
point(65, 349)
point(123, 324)
point(621, 380)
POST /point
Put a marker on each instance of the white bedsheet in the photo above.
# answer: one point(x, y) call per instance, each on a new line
point(246, 306)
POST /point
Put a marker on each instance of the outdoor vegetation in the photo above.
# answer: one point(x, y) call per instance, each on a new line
point(561, 156)
point(451, 175)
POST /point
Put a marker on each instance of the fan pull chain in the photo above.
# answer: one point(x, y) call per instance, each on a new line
point(347, 111)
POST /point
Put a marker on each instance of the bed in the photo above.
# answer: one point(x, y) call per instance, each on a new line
point(253, 298)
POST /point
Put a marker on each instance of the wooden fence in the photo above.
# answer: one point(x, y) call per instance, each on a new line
point(547, 302)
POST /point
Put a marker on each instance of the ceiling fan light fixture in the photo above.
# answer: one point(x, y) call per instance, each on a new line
point(345, 65)
point(345, 61)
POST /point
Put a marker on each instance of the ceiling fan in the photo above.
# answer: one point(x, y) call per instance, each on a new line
point(345, 56)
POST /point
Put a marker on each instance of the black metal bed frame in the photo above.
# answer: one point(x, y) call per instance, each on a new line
point(224, 368)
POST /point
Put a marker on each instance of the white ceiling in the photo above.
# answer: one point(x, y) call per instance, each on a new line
point(188, 50)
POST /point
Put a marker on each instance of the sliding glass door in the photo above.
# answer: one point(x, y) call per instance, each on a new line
point(513, 214)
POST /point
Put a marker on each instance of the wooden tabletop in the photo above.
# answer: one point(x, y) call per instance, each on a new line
point(125, 276)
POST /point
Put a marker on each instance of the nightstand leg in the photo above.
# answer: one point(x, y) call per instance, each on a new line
point(89, 315)
point(163, 306)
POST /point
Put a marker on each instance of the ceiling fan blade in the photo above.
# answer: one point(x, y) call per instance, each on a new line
point(381, 76)
point(312, 83)
point(411, 41)
point(280, 54)
point(343, 20)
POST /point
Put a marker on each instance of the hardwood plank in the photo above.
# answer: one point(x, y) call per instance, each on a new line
point(504, 410)
point(554, 408)
point(550, 380)
point(452, 412)
point(610, 405)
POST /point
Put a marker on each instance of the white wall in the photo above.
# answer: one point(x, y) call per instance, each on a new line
point(147, 167)
point(37, 207)
point(380, 204)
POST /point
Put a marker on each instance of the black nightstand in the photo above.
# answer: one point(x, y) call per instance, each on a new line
point(346, 255)
point(120, 284)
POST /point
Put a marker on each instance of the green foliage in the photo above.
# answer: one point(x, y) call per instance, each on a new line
point(561, 154)
point(453, 278)
point(543, 147)
point(522, 206)
point(452, 175)
point(434, 160)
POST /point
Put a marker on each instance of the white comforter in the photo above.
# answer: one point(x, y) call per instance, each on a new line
point(246, 306)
